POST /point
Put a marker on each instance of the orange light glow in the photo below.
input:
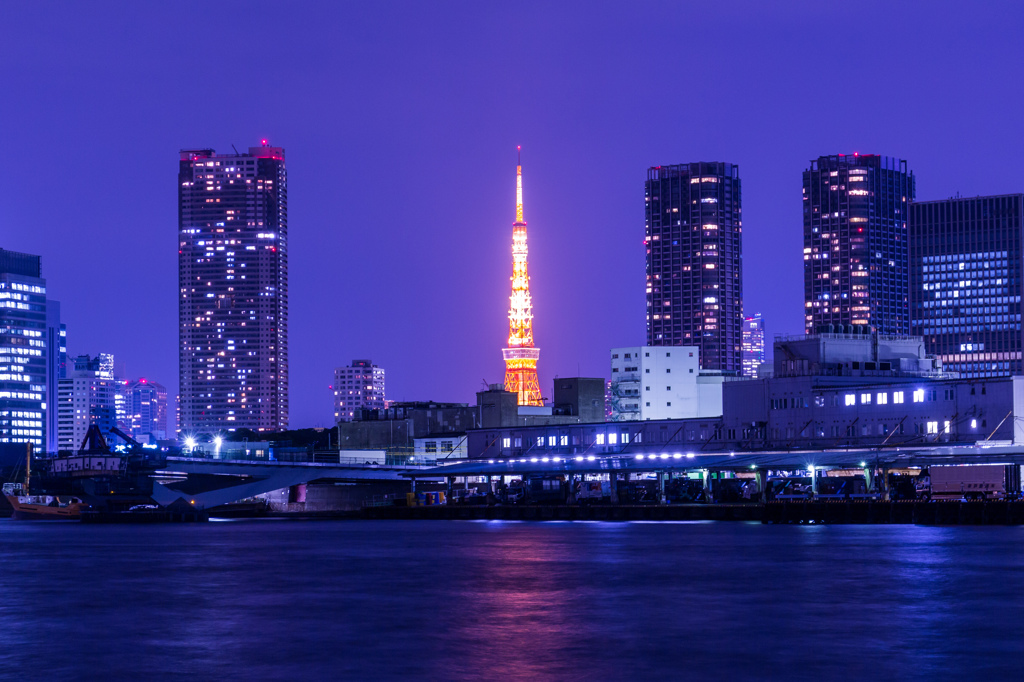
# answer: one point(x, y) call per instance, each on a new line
point(520, 356)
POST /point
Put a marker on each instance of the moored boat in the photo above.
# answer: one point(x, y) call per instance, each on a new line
point(46, 507)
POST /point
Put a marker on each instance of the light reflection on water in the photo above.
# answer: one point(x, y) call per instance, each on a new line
point(511, 600)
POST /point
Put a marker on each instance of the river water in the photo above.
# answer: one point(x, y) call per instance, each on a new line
point(362, 600)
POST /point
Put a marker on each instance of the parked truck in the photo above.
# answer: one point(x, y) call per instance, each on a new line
point(974, 482)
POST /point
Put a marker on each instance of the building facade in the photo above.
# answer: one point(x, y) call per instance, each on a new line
point(753, 344)
point(23, 350)
point(146, 404)
point(233, 290)
point(856, 257)
point(694, 245)
point(581, 397)
point(659, 382)
point(407, 429)
point(966, 273)
point(86, 396)
point(56, 369)
point(360, 386)
point(826, 391)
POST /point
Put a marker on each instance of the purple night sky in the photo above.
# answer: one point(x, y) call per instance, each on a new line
point(400, 122)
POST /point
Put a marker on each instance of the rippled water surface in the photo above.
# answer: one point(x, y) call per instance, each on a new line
point(273, 600)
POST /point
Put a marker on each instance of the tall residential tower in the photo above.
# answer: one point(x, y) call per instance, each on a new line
point(233, 290)
point(856, 209)
point(521, 356)
point(695, 260)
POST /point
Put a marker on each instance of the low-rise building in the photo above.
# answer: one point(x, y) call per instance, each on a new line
point(827, 391)
point(403, 428)
point(663, 382)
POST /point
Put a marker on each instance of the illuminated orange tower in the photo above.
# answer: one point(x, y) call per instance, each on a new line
point(520, 356)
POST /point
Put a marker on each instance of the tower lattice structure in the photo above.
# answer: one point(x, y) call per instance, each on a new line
point(520, 356)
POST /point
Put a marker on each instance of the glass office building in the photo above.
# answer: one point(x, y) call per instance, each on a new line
point(966, 265)
point(23, 356)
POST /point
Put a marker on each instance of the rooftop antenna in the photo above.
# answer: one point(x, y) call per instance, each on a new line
point(236, 150)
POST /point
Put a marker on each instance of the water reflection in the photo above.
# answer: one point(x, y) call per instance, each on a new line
point(505, 600)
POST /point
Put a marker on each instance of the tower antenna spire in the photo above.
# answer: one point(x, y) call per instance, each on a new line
point(519, 188)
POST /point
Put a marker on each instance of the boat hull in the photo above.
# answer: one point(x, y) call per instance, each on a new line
point(47, 508)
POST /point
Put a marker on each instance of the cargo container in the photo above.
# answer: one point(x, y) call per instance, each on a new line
point(974, 481)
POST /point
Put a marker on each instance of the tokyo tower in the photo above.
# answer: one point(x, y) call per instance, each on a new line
point(520, 356)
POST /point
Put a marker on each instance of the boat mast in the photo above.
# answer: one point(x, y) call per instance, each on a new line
point(28, 464)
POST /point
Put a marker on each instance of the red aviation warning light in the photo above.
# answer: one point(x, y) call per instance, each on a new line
point(520, 356)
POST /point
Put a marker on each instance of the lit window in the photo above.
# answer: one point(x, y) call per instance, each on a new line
point(882, 398)
point(551, 441)
point(563, 440)
point(613, 438)
point(851, 399)
point(600, 439)
point(974, 423)
point(865, 398)
point(933, 427)
point(897, 397)
point(506, 442)
point(919, 395)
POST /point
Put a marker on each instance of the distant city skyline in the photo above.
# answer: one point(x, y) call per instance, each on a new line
point(399, 185)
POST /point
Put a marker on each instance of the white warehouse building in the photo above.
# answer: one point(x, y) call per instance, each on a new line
point(663, 382)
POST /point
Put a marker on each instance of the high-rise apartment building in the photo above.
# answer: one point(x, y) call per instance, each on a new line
point(966, 272)
point(359, 386)
point(56, 369)
point(233, 290)
point(753, 344)
point(146, 405)
point(694, 227)
point(856, 209)
point(86, 396)
point(23, 349)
